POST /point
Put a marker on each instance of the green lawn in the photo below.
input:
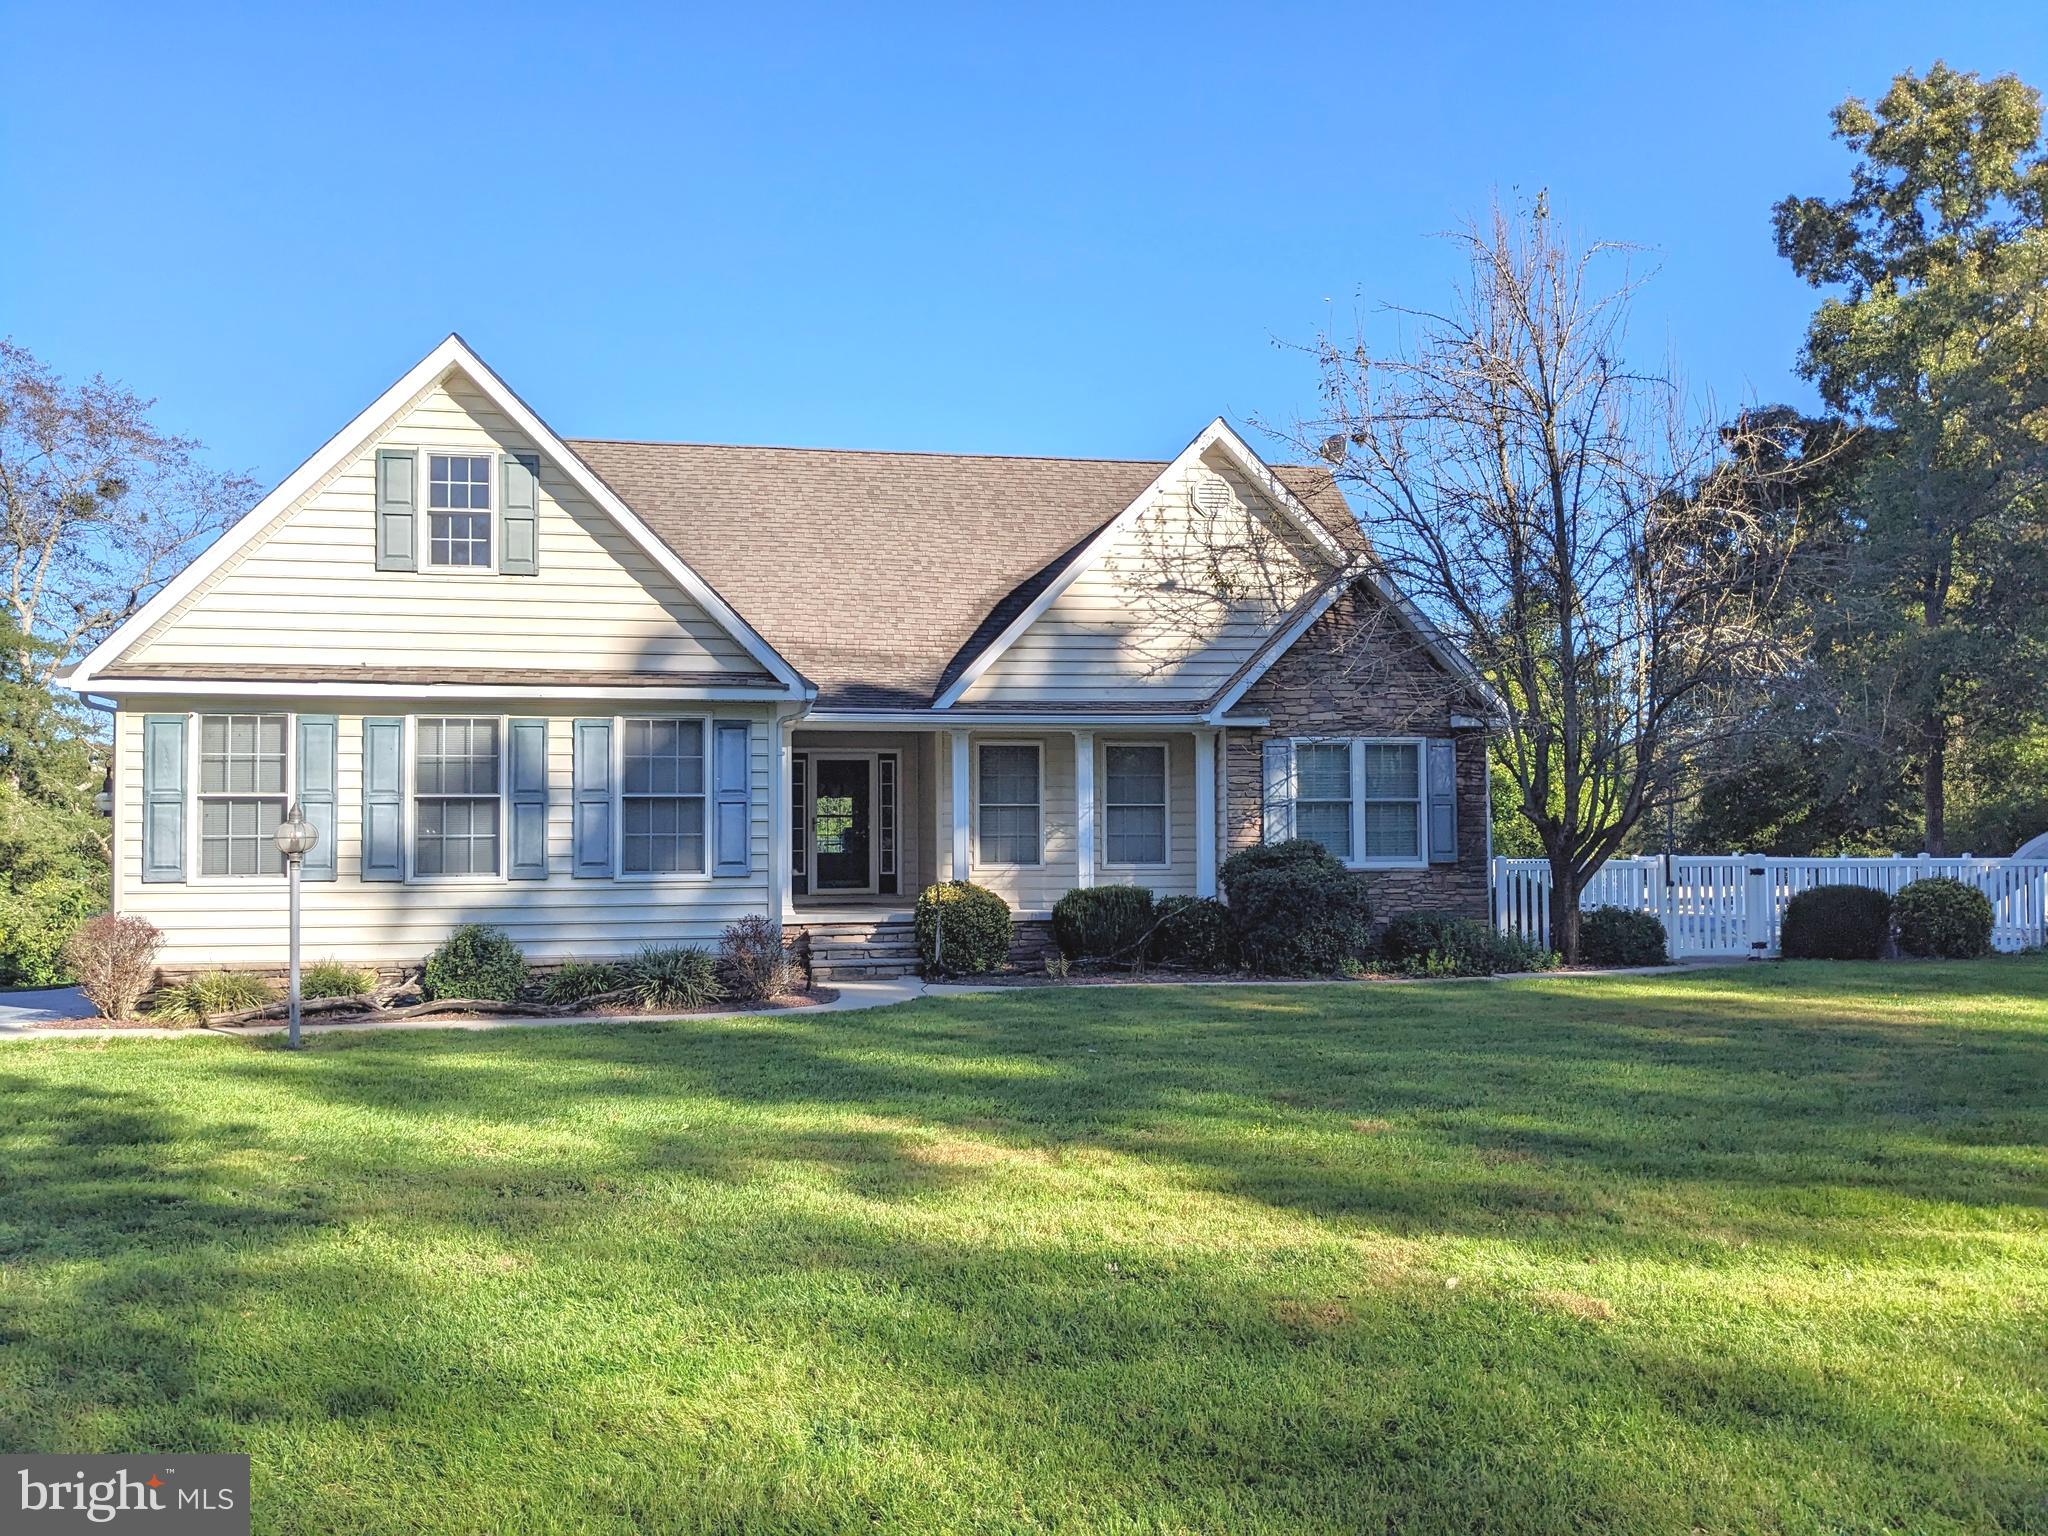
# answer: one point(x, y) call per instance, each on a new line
point(1757, 1249)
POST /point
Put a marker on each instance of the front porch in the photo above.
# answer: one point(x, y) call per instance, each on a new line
point(873, 816)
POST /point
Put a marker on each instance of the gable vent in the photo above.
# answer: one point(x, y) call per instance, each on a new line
point(1211, 494)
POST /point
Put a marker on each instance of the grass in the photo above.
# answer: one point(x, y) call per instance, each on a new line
point(1758, 1249)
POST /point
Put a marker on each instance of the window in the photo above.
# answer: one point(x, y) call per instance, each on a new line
point(455, 791)
point(1134, 803)
point(1009, 806)
point(661, 803)
point(459, 510)
point(1322, 794)
point(1393, 800)
point(241, 793)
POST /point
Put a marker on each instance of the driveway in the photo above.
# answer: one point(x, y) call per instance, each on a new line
point(18, 1010)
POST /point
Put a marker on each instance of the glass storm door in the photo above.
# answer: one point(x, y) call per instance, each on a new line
point(842, 824)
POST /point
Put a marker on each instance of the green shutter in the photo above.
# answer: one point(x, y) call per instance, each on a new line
point(383, 799)
point(519, 515)
point(318, 738)
point(733, 782)
point(526, 780)
point(593, 801)
point(1443, 802)
point(163, 798)
point(397, 521)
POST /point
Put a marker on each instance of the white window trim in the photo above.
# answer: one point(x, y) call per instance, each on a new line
point(194, 843)
point(412, 803)
point(1165, 747)
point(974, 858)
point(702, 876)
point(427, 510)
point(1357, 744)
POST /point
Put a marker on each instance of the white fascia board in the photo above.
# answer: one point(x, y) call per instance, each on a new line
point(1217, 434)
point(453, 354)
point(941, 720)
point(150, 687)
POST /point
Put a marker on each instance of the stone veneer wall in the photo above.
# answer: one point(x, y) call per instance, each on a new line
point(1358, 672)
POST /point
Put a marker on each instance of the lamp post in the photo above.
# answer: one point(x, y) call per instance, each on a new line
point(295, 839)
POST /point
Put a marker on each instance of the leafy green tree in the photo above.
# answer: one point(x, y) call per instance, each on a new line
point(1936, 338)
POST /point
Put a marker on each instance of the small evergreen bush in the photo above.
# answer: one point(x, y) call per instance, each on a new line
point(1103, 922)
point(1944, 919)
point(114, 960)
point(1193, 934)
point(1836, 922)
point(1438, 944)
point(575, 980)
point(35, 920)
point(330, 978)
point(212, 993)
point(963, 929)
point(751, 961)
point(1295, 910)
point(478, 961)
point(1618, 936)
point(680, 976)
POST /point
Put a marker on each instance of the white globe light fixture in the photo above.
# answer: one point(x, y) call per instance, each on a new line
point(296, 837)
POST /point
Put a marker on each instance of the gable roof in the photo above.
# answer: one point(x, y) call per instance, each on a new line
point(452, 355)
point(881, 575)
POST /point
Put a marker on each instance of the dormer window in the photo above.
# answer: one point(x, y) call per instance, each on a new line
point(459, 510)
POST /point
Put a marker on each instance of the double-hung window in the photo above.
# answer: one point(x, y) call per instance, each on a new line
point(459, 510)
point(661, 798)
point(456, 787)
point(1010, 809)
point(242, 793)
point(1361, 799)
point(1134, 802)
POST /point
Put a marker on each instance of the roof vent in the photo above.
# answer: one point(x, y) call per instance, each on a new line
point(1211, 494)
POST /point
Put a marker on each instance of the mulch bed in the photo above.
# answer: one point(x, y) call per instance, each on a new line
point(318, 1012)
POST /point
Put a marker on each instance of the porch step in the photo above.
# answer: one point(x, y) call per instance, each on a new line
point(859, 948)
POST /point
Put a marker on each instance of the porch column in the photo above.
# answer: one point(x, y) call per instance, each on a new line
point(781, 736)
point(962, 807)
point(1205, 813)
point(1084, 807)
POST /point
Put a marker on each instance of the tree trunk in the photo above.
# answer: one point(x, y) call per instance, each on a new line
point(1934, 790)
point(1564, 911)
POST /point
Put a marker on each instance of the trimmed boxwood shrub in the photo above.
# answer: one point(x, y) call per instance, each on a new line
point(477, 960)
point(1103, 922)
point(1296, 911)
point(1618, 936)
point(1836, 922)
point(1944, 919)
point(962, 929)
point(1192, 933)
point(1438, 944)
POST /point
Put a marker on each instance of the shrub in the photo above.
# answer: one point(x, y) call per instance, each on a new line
point(575, 980)
point(1943, 918)
point(34, 923)
point(751, 961)
point(1294, 910)
point(681, 976)
point(211, 993)
point(962, 929)
point(479, 961)
point(114, 959)
point(1103, 922)
point(330, 978)
point(1836, 922)
point(1618, 936)
point(1438, 944)
point(1193, 932)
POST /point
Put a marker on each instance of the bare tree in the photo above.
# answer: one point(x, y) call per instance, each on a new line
point(98, 507)
point(1597, 546)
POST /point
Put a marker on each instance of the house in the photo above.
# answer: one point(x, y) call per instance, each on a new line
point(607, 694)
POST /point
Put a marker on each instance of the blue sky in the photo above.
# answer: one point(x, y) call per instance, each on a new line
point(1001, 229)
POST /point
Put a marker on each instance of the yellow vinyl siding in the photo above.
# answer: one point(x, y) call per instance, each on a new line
point(242, 922)
point(308, 592)
point(1119, 630)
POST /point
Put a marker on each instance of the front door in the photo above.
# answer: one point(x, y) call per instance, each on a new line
point(842, 823)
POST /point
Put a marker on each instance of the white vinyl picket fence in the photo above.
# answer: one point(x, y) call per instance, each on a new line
point(1731, 904)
